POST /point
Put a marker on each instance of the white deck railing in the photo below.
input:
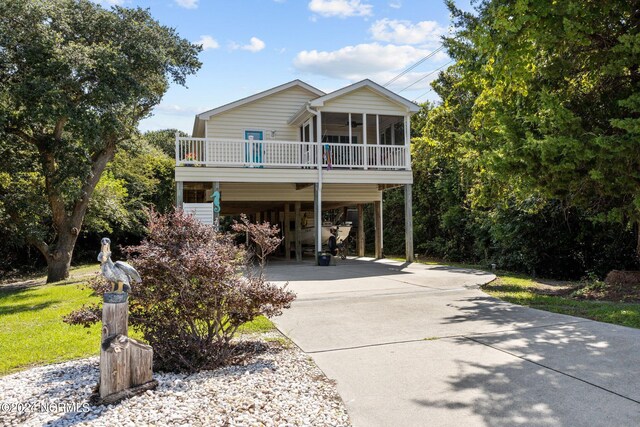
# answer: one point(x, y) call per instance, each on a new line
point(293, 154)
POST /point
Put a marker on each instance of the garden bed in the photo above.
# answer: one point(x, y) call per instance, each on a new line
point(280, 386)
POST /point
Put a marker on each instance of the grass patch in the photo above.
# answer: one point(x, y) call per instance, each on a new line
point(258, 325)
point(525, 291)
point(32, 329)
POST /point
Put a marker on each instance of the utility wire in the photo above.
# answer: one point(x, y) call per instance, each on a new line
point(416, 100)
point(406, 70)
point(425, 76)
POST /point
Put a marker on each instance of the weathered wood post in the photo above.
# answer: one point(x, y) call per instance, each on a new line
point(126, 366)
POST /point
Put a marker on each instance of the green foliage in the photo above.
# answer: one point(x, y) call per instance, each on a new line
point(107, 206)
point(76, 81)
point(531, 161)
point(553, 90)
point(164, 139)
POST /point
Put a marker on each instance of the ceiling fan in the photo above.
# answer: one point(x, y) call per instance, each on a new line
point(354, 124)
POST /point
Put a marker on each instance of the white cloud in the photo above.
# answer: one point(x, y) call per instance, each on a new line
point(187, 4)
point(180, 110)
point(374, 61)
point(208, 42)
point(255, 45)
point(396, 4)
point(340, 8)
point(394, 31)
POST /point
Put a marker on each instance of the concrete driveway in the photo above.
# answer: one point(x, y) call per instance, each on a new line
point(417, 345)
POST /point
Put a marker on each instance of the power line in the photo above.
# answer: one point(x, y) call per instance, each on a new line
point(414, 66)
point(430, 90)
point(425, 76)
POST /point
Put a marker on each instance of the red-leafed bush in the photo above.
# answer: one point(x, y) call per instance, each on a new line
point(197, 288)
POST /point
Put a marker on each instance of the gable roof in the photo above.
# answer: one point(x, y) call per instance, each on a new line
point(207, 114)
point(392, 96)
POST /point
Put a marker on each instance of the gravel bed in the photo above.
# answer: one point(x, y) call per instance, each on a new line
point(281, 387)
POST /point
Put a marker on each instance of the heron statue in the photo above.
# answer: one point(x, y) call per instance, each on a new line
point(119, 274)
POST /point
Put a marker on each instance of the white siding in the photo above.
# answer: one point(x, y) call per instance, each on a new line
point(364, 100)
point(201, 211)
point(266, 114)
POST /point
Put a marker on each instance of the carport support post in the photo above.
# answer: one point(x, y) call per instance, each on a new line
point(377, 215)
point(179, 194)
point(318, 218)
point(361, 241)
point(287, 233)
point(298, 232)
point(408, 222)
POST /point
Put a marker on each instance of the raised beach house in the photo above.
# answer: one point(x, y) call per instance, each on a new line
point(294, 149)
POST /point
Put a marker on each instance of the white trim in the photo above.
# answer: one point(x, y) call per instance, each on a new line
point(244, 133)
point(207, 114)
point(408, 105)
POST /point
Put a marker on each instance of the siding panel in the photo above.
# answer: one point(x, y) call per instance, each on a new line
point(366, 101)
point(266, 114)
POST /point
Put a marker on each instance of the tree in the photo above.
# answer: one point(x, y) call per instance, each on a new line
point(164, 139)
point(76, 80)
point(556, 101)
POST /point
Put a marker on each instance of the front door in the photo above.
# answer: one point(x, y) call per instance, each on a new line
point(253, 150)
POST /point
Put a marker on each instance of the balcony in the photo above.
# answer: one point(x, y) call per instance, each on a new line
point(289, 154)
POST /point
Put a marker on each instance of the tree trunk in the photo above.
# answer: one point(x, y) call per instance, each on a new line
point(58, 269)
point(638, 244)
point(59, 256)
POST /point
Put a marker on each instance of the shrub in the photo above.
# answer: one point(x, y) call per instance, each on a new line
point(198, 288)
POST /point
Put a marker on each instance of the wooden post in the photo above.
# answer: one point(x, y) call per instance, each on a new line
point(114, 360)
point(287, 233)
point(361, 239)
point(298, 236)
point(377, 215)
point(408, 222)
point(115, 318)
point(126, 366)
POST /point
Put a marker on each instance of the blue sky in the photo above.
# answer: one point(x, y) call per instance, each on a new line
point(253, 45)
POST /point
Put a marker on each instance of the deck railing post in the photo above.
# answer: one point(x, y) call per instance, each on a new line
point(407, 142)
point(177, 148)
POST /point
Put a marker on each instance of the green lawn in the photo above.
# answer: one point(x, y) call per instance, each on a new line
point(32, 331)
point(526, 291)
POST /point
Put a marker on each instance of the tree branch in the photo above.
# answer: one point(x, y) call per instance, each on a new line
point(99, 163)
point(40, 245)
point(57, 131)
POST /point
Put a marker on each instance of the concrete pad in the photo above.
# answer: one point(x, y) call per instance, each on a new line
point(605, 355)
point(350, 275)
point(341, 320)
point(457, 382)
point(484, 361)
